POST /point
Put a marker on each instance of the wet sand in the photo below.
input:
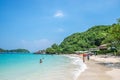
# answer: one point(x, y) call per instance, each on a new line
point(95, 71)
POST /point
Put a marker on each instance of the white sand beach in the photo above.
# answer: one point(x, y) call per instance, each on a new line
point(95, 71)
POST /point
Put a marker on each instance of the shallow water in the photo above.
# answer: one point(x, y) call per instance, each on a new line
point(28, 67)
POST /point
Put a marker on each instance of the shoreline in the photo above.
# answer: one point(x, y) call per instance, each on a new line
point(77, 61)
point(98, 71)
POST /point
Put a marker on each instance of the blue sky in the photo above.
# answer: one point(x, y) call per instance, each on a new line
point(37, 24)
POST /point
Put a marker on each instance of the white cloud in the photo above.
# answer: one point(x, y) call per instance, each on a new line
point(35, 45)
point(58, 13)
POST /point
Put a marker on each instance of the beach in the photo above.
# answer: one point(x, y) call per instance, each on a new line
point(101, 68)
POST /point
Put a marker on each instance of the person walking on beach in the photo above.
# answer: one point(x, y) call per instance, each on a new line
point(88, 57)
point(84, 57)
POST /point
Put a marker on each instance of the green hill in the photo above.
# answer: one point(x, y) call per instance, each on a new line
point(88, 39)
point(93, 37)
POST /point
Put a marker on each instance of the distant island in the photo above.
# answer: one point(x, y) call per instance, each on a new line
point(15, 50)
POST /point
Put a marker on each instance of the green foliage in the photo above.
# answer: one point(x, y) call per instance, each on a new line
point(92, 38)
point(54, 49)
point(50, 51)
point(82, 41)
point(115, 32)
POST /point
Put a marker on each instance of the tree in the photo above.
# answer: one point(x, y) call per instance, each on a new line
point(115, 37)
point(50, 51)
point(115, 33)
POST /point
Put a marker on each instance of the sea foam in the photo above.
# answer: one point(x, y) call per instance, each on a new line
point(80, 66)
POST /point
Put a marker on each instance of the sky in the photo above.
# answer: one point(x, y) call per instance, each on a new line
point(37, 24)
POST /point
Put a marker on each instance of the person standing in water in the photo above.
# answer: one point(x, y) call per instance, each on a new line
point(41, 61)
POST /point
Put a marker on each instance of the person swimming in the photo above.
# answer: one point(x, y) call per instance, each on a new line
point(41, 61)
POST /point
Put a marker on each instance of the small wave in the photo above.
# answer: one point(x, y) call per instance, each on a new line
point(80, 66)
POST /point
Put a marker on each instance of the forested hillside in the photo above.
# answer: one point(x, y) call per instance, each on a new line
point(82, 41)
point(93, 37)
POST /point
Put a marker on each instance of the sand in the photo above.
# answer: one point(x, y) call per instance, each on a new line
point(104, 58)
point(115, 74)
point(96, 71)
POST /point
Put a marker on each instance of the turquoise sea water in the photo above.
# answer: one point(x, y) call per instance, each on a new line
point(28, 67)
